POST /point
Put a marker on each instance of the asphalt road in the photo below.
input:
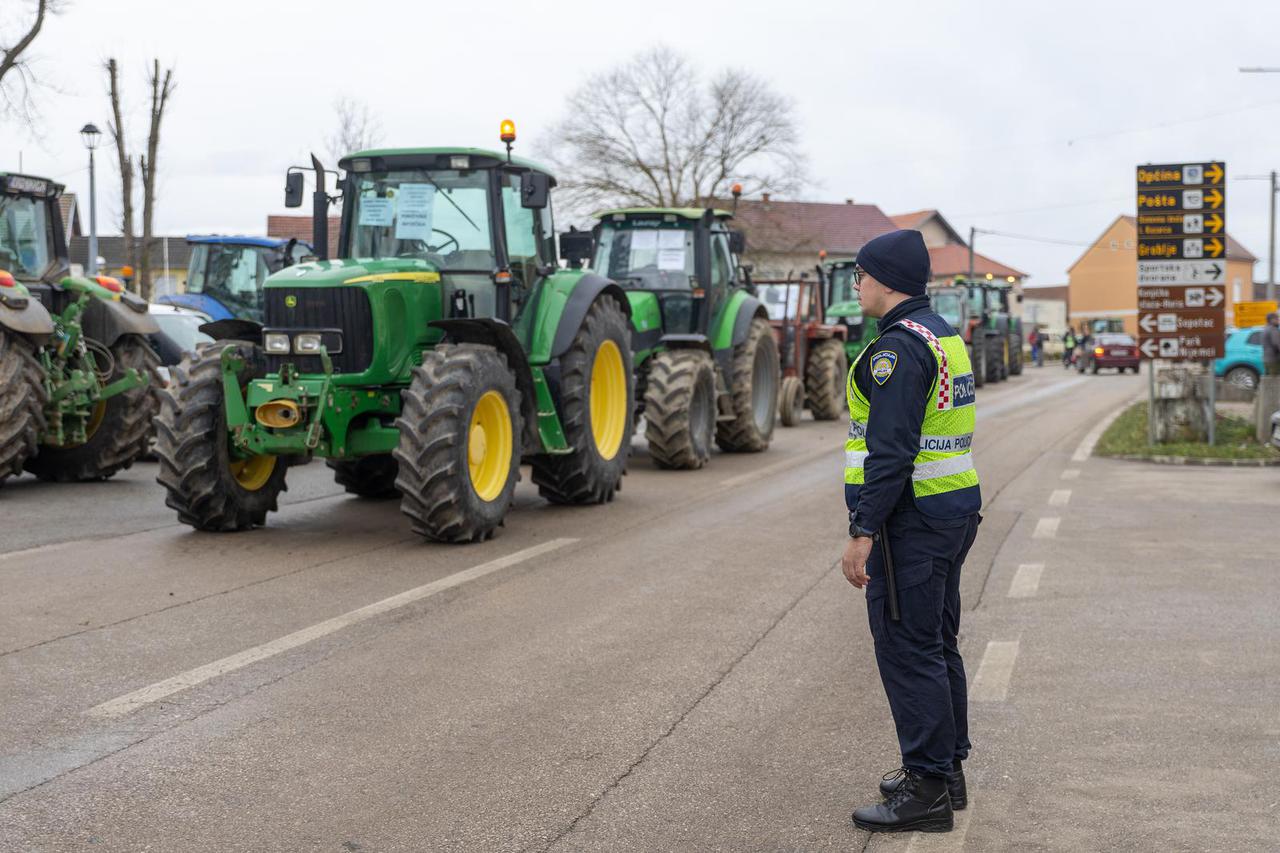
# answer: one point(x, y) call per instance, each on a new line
point(684, 668)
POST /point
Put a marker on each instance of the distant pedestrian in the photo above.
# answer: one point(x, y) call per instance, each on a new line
point(1037, 347)
point(1069, 347)
point(1271, 345)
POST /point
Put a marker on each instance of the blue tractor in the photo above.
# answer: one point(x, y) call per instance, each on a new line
point(225, 276)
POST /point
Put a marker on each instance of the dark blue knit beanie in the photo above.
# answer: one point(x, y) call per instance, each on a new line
point(898, 260)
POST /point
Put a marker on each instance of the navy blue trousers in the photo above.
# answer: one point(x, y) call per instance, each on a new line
point(918, 657)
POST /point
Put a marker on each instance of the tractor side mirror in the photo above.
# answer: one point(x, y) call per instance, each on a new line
point(535, 190)
point(293, 189)
point(575, 246)
point(737, 242)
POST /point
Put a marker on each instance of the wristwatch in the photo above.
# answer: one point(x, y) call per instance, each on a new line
point(859, 532)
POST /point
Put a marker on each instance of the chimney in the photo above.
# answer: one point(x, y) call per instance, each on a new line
point(764, 197)
point(848, 201)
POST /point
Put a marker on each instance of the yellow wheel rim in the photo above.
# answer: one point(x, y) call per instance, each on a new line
point(608, 400)
point(489, 446)
point(253, 473)
point(95, 419)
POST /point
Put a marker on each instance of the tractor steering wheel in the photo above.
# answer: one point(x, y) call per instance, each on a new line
point(451, 239)
point(423, 247)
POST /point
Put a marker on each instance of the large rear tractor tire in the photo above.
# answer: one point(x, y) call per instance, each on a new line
point(993, 359)
point(1015, 352)
point(754, 386)
point(824, 380)
point(791, 401)
point(978, 361)
point(22, 400)
point(371, 477)
point(120, 430)
point(680, 408)
point(597, 412)
point(459, 450)
point(210, 487)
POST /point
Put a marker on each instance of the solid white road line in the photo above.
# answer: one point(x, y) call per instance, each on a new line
point(1085, 449)
point(991, 684)
point(1046, 528)
point(1026, 580)
point(1060, 497)
point(131, 702)
point(1071, 474)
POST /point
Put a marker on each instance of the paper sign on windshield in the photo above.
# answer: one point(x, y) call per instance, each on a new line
point(413, 219)
point(376, 212)
point(671, 250)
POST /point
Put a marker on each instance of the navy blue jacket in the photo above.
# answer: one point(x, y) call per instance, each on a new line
point(897, 414)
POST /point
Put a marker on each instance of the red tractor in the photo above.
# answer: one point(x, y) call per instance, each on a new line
point(812, 351)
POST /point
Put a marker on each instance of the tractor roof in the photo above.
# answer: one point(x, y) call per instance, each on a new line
point(238, 240)
point(694, 213)
point(435, 152)
point(28, 184)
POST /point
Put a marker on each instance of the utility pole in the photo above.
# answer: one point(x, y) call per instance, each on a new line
point(1274, 177)
point(973, 232)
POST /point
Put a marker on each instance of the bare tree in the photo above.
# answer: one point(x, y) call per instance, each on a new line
point(125, 165)
point(161, 89)
point(356, 128)
point(652, 132)
point(16, 76)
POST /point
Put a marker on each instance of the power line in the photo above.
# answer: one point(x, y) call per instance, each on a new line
point(1054, 240)
point(1050, 206)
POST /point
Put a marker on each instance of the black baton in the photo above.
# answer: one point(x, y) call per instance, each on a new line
point(890, 582)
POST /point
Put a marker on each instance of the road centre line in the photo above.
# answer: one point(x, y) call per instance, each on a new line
point(130, 702)
point(1026, 580)
point(1060, 497)
point(1071, 474)
point(1046, 528)
point(991, 684)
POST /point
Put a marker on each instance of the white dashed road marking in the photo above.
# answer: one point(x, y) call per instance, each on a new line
point(131, 702)
point(1071, 474)
point(1026, 580)
point(991, 684)
point(1060, 497)
point(1046, 528)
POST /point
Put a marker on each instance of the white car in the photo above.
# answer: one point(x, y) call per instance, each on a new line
point(179, 334)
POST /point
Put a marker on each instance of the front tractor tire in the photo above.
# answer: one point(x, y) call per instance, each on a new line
point(459, 450)
point(791, 401)
point(22, 400)
point(754, 388)
point(824, 377)
point(119, 433)
point(596, 412)
point(371, 477)
point(210, 488)
point(680, 408)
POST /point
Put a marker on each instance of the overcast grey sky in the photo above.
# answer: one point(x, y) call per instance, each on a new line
point(1018, 115)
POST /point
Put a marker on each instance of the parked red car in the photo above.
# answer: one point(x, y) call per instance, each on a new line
point(1109, 349)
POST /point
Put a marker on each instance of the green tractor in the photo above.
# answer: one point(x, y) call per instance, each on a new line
point(442, 351)
point(1006, 326)
point(78, 377)
point(843, 308)
point(705, 357)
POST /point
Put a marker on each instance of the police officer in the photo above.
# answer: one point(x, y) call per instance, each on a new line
point(913, 499)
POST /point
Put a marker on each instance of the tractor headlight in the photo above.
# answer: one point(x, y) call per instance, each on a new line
point(276, 343)
point(307, 343)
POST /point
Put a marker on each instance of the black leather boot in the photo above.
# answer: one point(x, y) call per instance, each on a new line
point(920, 804)
point(955, 785)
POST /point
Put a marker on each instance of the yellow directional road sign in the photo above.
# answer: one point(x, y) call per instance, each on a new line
point(1252, 313)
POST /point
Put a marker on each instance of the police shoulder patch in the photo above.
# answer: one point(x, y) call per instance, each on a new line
point(882, 365)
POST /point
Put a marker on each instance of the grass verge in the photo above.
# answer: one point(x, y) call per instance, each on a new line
point(1127, 436)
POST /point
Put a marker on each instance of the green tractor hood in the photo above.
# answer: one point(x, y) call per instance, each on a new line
point(333, 273)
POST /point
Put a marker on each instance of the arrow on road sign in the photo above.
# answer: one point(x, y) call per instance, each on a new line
point(1214, 173)
point(1148, 323)
point(1214, 223)
point(1213, 247)
point(1215, 270)
point(1149, 347)
point(1213, 199)
point(1213, 296)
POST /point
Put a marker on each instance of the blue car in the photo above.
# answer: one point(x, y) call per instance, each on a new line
point(1242, 365)
point(224, 279)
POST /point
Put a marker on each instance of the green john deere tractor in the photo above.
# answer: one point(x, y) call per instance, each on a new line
point(77, 374)
point(843, 308)
point(445, 348)
point(706, 360)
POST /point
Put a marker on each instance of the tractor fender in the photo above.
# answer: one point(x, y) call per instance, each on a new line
point(26, 316)
point(106, 320)
point(497, 334)
point(736, 321)
point(234, 329)
point(584, 292)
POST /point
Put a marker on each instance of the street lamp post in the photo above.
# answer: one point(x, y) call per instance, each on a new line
point(90, 134)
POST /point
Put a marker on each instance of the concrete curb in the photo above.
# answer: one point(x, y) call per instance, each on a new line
point(1195, 460)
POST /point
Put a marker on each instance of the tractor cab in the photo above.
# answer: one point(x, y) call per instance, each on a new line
point(226, 274)
point(32, 246)
point(842, 305)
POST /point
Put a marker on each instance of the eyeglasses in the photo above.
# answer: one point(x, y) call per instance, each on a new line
point(858, 275)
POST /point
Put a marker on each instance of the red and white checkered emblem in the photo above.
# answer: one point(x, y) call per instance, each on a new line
point(944, 368)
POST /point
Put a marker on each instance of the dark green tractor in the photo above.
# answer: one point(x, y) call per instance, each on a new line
point(444, 349)
point(77, 374)
point(706, 361)
point(843, 308)
point(1006, 327)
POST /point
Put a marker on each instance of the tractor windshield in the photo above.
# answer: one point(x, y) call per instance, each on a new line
point(646, 256)
point(232, 274)
point(842, 285)
point(996, 299)
point(26, 236)
point(441, 216)
point(949, 306)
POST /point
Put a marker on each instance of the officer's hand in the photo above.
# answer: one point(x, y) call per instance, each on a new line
point(854, 561)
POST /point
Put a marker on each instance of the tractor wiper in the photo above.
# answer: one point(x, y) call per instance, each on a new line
point(451, 201)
